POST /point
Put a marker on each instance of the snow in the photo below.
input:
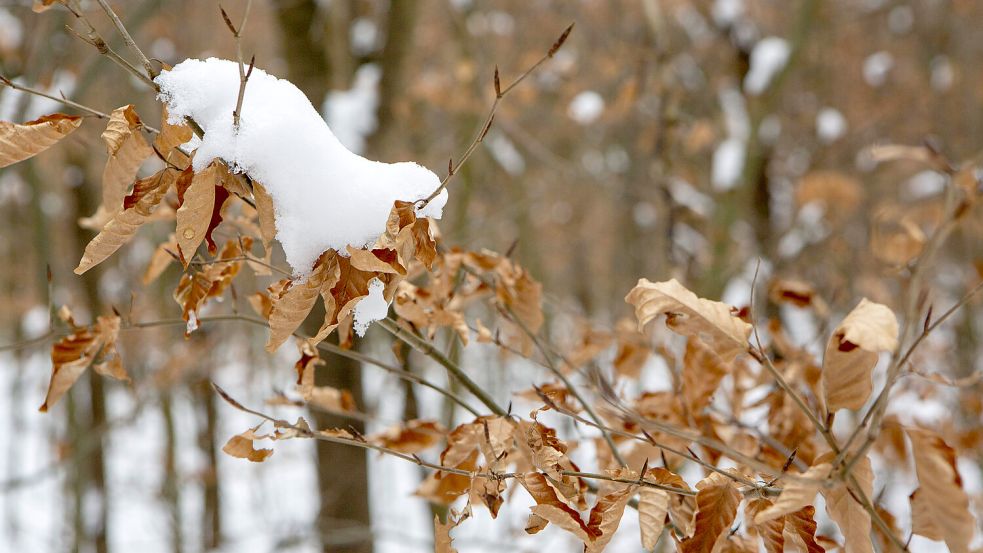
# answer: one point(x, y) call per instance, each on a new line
point(371, 308)
point(586, 107)
point(726, 12)
point(830, 125)
point(351, 113)
point(324, 195)
point(728, 164)
point(876, 68)
point(769, 56)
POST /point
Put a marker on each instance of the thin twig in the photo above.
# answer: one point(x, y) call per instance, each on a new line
point(128, 39)
point(500, 93)
point(429, 350)
point(243, 73)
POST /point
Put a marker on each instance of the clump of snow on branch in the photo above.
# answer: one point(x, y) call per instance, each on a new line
point(324, 195)
point(371, 308)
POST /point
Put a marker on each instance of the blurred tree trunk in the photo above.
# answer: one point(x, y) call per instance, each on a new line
point(308, 66)
point(171, 489)
point(343, 521)
point(208, 443)
point(400, 28)
point(86, 202)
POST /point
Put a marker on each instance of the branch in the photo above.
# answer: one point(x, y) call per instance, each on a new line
point(243, 73)
point(128, 39)
point(500, 93)
point(429, 350)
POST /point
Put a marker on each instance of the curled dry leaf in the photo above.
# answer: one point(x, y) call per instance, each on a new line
point(172, 136)
point(210, 281)
point(266, 214)
point(852, 353)
point(195, 213)
point(605, 516)
point(241, 446)
point(71, 355)
point(796, 493)
point(800, 530)
point(22, 141)
point(702, 372)
point(442, 535)
point(843, 507)
point(771, 531)
point(127, 151)
point(138, 206)
point(940, 506)
point(717, 501)
point(713, 322)
point(291, 307)
point(413, 436)
point(653, 508)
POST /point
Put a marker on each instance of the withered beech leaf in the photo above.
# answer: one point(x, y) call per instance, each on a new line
point(800, 530)
point(195, 213)
point(851, 354)
point(127, 151)
point(72, 354)
point(605, 516)
point(717, 501)
point(241, 446)
point(711, 321)
point(292, 306)
point(842, 506)
point(551, 508)
point(22, 141)
point(771, 531)
point(702, 372)
point(796, 493)
point(121, 228)
point(941, 488)
point(265, 212)
point(171, 136)
point(413, 436)
point(653, 508)
point(442, 535)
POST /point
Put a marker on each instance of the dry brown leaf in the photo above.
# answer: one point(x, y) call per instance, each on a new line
point(127, 151)
point(800, 530)
point(22, 141)
point(713, 322)
point(147, 193)
point(442, 535)
point(413, 436)
point(43, 5)
point(162, 257)
point(195, 213)
point(266, 214)
point(292, 306)
point(702, 372)
point(940, 487)
point(771, 531)
point(605, 516)
point(838, 193)
point(72, 354)
point(717, 501)
point(849, 515)
point(923, 520)
point(170, 137)
point(653, 508)
point(796, 494)
point(851, 354)
point(241, 446)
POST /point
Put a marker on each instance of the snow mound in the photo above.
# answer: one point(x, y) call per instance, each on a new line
point(324, 195)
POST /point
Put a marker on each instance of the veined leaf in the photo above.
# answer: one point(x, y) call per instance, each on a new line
point(848, 513)
point(717, 501)
point(195, 213)
point(711, 321)
point(940, 488)
point(22, 141)
point(796, 494)
point(800, 530)
point(292, 306)
point(852, 353)
point(147, 193)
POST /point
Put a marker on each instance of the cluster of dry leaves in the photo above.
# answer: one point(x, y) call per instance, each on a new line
point(759, 484)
